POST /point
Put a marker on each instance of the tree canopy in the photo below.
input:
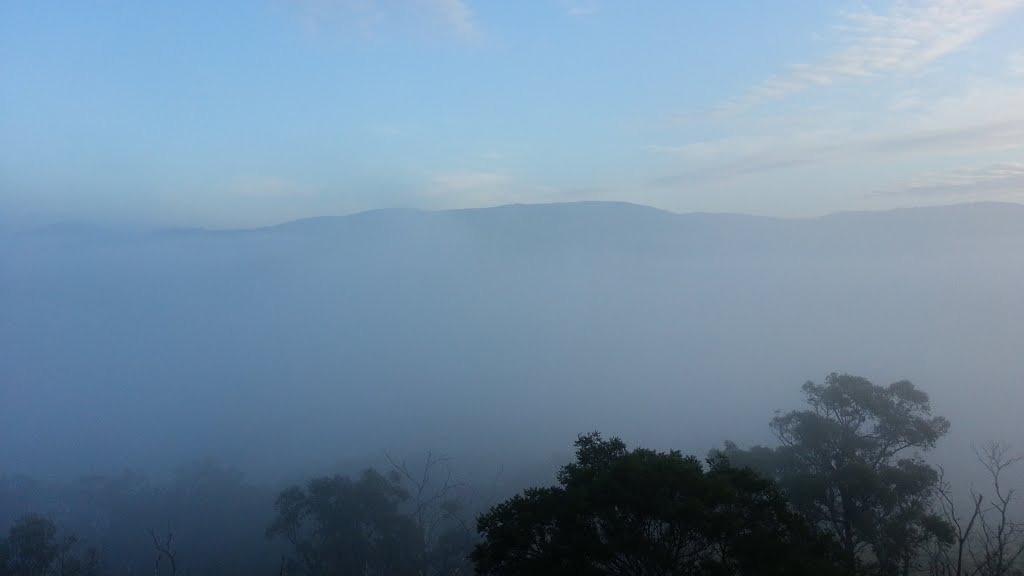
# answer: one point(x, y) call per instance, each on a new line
point(850, 463)
point(34, 548)
point(370, 525)
point(640, 511)
point(845, 491)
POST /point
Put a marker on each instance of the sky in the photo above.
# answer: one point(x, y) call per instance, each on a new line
point(255, 112)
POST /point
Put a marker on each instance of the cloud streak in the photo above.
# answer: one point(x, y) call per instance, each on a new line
point(904, 40)
point(1016, 64)
point(371, 17)
point(463, 181)
point(581, 11)
point(746, 156)
point(457, 15)
point(983, 117)
point(266, 187)
point(580, 8)
point(1004, 180)
point(465, 189)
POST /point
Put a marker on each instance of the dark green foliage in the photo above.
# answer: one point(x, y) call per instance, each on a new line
point(848, 464)
point(32, 548)
point(620, 511)
point(845, 493)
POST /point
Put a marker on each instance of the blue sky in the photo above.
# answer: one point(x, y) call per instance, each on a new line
point(253, 112)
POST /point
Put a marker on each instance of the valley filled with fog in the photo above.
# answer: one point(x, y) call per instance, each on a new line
point(453, 288)
point(492, 335)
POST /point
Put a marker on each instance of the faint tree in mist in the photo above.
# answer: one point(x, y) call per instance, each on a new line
point(989, 540)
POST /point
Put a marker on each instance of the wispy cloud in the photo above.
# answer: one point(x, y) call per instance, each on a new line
point(266, 187)
point(1001, 180)
point(1016, 64)
point(984, 117)
point(905, 39)
point(470, 180)
point(372, 17)
point(580, 8)
point(362, 17)
point(752, 152)
point(906, 101)
point(741, 156)
point(581, 11)
point(456, 14)
point(465, 189)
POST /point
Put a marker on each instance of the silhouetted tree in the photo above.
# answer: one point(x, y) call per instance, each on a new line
point(164, 548)
point(849, 464)
point(1001, 546)
point(988, 540)
point(636, 512)
point(435, 506)
point(32, 548)
point(340, 526)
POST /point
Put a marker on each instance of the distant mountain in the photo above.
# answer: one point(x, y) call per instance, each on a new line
point(624, 224)
point(492, 331)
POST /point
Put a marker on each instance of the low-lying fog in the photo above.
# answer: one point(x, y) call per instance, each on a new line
point(493, 335)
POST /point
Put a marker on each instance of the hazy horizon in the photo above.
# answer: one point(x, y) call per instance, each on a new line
point(249, 114)
point(138, 228)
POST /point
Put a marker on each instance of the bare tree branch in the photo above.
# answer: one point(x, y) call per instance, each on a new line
point(164, 549)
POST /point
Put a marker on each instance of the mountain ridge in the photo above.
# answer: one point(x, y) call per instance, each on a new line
point(638, 208)
point(452, 328)
point(577, 208)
